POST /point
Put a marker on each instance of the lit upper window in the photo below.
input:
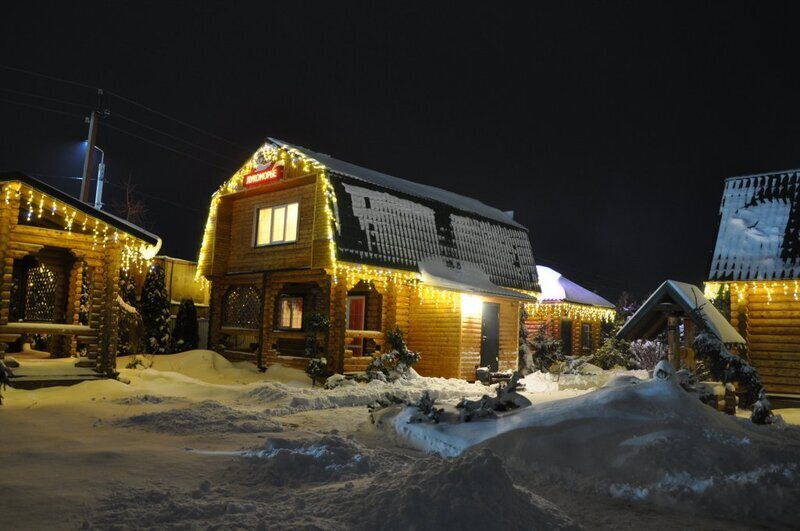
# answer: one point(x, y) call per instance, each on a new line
point(277, 224)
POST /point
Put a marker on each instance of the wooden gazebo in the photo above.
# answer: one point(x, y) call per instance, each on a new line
point(61, 262)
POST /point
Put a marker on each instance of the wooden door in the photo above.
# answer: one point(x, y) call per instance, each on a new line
point(490, 335)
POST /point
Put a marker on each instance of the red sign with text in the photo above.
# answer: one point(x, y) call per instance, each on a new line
point(273, 172)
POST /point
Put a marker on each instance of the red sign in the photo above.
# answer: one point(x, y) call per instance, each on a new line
point(272, 172)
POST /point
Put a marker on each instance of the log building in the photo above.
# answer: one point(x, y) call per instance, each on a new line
point(568, 312)
point(755, 271)
point(61, 263)
point(297, 238)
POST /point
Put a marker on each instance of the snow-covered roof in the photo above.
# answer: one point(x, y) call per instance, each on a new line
point(556, 288)
point(759, 231)
point(466, 278)
point(390, 222)
point(457, 201)
point(650, 319)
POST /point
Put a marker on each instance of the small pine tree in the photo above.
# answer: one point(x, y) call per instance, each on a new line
point(155, 312)
point(130, 322)
point(186, 335)
point(127, 289)
point(86, 293)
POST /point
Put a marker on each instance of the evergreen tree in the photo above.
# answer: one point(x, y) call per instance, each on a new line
point(186, 335)
point(127, 289)
point(155, 312)
point(130, 322)
point(86, 291)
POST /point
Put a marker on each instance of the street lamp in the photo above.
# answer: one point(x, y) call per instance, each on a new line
point(101, 170)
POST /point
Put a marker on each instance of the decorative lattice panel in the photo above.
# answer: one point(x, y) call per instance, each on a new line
point(241, 308)
point(40, 295)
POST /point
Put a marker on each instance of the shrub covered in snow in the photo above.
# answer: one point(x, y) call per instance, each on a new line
point(542, 352)
point(396, 363)
point(726, 367)
point(317, 367)
point(155, 311)
point(186, 335)
point(645, 354)
point(613, 352)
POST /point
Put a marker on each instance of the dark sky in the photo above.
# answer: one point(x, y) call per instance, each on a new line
point(607, 127)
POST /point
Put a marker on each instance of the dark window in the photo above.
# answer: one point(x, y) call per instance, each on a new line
point(586, 337)
point(241, 308)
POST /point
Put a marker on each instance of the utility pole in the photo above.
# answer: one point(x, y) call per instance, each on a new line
point(88, 162)
point(101, 171)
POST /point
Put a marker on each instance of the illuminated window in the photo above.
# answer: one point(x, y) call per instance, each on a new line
point(277, 224)
point(291, 313)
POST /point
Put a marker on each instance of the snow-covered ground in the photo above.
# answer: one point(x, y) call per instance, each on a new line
point(194, 441)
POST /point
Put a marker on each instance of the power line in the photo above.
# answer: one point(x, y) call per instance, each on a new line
point(31, 105)
point(112, 183)
point(56, 100)
point(198, 146)
point(45, 76)
point(123, 98)
point(145, 139)
point(132, 102)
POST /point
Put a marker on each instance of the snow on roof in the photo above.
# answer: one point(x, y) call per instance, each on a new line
point(556, 288)
point(389, 222)
point(460, 202)
point(650, 320)
point(465, 278)
point(759, 230)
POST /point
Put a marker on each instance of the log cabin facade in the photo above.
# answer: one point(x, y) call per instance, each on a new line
point(295, 238)
point(755, 272)
point(568, 312)
point(61, 264)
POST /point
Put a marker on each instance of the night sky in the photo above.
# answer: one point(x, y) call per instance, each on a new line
point(607, 127)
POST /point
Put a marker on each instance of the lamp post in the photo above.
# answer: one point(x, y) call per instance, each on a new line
point(101, 171)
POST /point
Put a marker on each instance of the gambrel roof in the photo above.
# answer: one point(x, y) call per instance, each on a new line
point(758, 235)
point(391, 222)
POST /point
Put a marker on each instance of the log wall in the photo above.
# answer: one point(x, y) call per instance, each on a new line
point(234, 236)
point(533, 323)
point(471, 339)
point(435, 331)
point(772, 330)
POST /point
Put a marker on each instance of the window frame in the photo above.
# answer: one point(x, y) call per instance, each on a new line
point(272, 208)
point(586, 333)
point(290, 298)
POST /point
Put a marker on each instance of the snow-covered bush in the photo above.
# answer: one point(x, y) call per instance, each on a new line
point(85, 298)
point(396, 363)
point(186, 335)
point(727, 367)
point(645, 354)
point(155, 312)
point(130, 327)
point(317, 367)
point(612, 353)
point(543, 351)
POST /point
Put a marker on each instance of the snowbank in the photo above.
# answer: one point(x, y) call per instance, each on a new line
point(203, 418)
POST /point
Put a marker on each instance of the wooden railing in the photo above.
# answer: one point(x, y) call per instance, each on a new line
point(360, 363)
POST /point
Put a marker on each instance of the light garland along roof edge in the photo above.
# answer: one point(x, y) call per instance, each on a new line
point(150, 243)
point(395, 248)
